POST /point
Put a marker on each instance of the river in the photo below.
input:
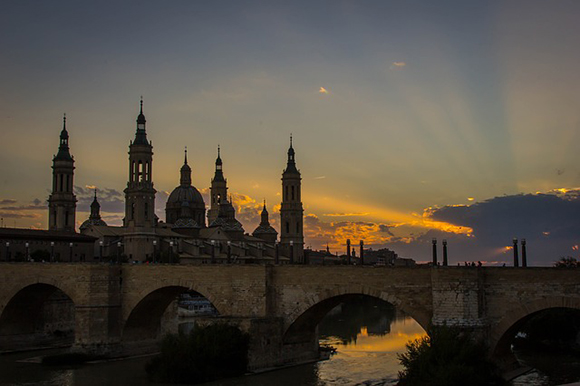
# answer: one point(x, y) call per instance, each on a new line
point(368, 337)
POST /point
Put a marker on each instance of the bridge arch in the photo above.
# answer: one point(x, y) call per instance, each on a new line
point(503, 332)
point(25, 311)
point(144, 319)
point(302, 320)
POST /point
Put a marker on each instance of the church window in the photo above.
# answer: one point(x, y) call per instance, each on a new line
point(140, 171)
point(287, 227)
point(66, 218)
point(68, 182)
point(286, 193)
point(132, 211)
point(61, 182)
point(297, 227)
point(292, 192)
point(146, 211)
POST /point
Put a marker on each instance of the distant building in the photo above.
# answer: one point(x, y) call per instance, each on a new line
point(45, 245)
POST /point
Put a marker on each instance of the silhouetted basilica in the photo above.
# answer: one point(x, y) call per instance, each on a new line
point(185, 236)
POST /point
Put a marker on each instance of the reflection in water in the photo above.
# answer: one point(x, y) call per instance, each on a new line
point(369, 358)
point(368, 334)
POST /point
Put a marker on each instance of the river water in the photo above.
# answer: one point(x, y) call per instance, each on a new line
point(367, 336)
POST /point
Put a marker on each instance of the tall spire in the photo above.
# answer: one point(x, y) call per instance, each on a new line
point(264, 215)
point(185, 172)
point(291, 166)
point(63, 149)
point(141, 135)
point(62, 201)
point(218, 190)
point(265, 231)
point(291, 210)
point(219, 176)
point(95, 208)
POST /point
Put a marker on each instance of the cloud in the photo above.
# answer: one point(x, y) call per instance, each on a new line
point(16, 215)
point(322, 90)
point(345, 214)
point(111, 200)
point(318, 233)
point(35, 204)
point(8, 201)
point(319, 178)
point(397, 65)
point(481, 231)
point(548, 222)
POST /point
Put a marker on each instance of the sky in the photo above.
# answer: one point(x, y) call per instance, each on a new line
point(411, 120)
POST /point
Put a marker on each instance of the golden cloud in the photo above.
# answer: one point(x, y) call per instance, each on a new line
point(397, 65)
point(346, 214)
point(322, 90)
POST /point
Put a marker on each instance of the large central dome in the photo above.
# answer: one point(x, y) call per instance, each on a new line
point(186, 193)
point(185, 202)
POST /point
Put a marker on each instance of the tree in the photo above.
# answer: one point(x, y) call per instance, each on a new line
point(447, 357)
point(567, 262)
point(206, 353)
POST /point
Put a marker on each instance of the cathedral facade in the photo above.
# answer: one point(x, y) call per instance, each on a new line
point(188, 235)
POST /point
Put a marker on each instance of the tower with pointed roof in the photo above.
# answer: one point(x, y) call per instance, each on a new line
point(140, 194)
point(218, 190)
point(95, 216)
point(62, 201)
point(265, 231)
point(291, 211)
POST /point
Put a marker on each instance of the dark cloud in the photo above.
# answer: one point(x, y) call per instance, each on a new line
point(550, 223)
point(526, 215)
point(385, 229)
point(111, 200)
point(35, 204)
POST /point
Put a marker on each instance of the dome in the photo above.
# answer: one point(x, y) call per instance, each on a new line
point(186, 193)
point(90, 222)
point(185, 202)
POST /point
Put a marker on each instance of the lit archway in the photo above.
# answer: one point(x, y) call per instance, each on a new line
point(303, 330)
point(145, 320)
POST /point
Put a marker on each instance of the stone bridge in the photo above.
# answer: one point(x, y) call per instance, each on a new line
point(118, 308)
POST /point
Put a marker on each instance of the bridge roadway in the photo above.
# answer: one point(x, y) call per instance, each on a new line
point(118, 308)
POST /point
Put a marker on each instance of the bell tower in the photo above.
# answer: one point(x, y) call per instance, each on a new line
point(140, 194)
point(291, 212)
point(62, 202)
point(218, 190)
